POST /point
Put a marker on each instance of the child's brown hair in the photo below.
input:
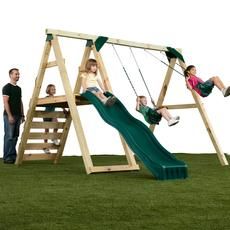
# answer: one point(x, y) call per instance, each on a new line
point(90, 62)
point(49, 87)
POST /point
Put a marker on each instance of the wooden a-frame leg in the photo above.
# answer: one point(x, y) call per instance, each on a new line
point(207, 123)
point(164, 88)
point(72, 106)
point(69, 118)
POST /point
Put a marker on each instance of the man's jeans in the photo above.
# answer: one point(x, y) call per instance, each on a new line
point(11, 138)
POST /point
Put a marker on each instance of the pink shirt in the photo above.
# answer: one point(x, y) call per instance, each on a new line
point(193, 81)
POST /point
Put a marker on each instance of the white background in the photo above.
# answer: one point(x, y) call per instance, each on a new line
point(200, 28)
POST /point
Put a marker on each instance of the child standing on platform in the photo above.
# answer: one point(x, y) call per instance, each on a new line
point(50, 90)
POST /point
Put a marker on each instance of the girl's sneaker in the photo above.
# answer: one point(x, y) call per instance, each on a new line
point(55, 142)
point(226, 91)
point(46, 151)
point(172, 122)
point(177, 118)
point(110, 101)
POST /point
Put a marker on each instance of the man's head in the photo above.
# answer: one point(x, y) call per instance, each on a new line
point(14, 75)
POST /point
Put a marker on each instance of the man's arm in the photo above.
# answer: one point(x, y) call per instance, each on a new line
point(22, 111)
point(7, 109)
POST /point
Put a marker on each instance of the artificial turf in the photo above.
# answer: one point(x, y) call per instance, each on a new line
point(39, 195)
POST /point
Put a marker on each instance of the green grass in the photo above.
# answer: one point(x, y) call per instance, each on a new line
point(40, 195)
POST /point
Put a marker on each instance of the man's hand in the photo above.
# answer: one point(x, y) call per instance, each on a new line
point(23, 119)
point(11, 119)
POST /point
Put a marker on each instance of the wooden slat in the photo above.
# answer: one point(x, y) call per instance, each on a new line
point(72, 104)
point(39, 156)
point(44, 136)
point(52, 64)
point(165, 84)
point(44, 114)
point(61, 101)
point(222, 158)
point(114, 168)
point(47, 125)
point(116, 41)
point(181, 106)
point(40, 146)
point(63, 138)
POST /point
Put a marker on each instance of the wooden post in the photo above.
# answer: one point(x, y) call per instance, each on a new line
point(72, 106)
point(129, 155)
point(86, 56)
point(33, 101)
point(164, 88)
point(207, 123)
point(69, 118)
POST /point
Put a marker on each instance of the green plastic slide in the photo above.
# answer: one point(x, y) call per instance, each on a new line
point(161, 163)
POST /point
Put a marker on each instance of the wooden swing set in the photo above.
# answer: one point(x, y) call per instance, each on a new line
point(33, 138)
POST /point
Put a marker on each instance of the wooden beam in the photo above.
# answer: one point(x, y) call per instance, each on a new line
point(39, 156)
point(47, 125)
point(114, 168)
point(85, 57)
point(40, 146)
point(45, 114)
point(115, 41)
point(44, 136)
point(181, 106)
point(222, 158)
point(164, 87)
point(61, 101)
point(72, 106)
point(63, 138)
point(52, 64)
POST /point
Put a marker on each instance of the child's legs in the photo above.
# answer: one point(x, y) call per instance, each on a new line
point(100, 95)
point(55, 120)
point(164, 113)
point(217, 82)
point(46, 131)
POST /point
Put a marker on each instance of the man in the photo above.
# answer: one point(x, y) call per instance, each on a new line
point(13, 116)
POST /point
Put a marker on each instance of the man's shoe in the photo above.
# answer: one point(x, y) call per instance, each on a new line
point(9, 161)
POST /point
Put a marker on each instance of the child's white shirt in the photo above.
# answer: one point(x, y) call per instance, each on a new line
point(91, 79)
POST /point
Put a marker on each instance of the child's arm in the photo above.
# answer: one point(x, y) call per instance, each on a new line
point(83, 84)
point(101, 85)
point(138, 104)
point(188, 84)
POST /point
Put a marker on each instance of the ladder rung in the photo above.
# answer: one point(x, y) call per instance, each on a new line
point(44, 114)
point(40, 146)
point(47, 125)
point(43, 136)
point(39, 156)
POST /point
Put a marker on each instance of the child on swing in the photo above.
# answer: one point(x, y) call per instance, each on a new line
point(201, 87)
point(90, 82)
point(153, 116)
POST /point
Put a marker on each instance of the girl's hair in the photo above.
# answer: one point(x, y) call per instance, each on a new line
point(141, 97)
point(49, 87)
point(90, 62)
point(186, 72)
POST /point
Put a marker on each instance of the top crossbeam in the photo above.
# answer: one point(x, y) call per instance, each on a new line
point(114, 41)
